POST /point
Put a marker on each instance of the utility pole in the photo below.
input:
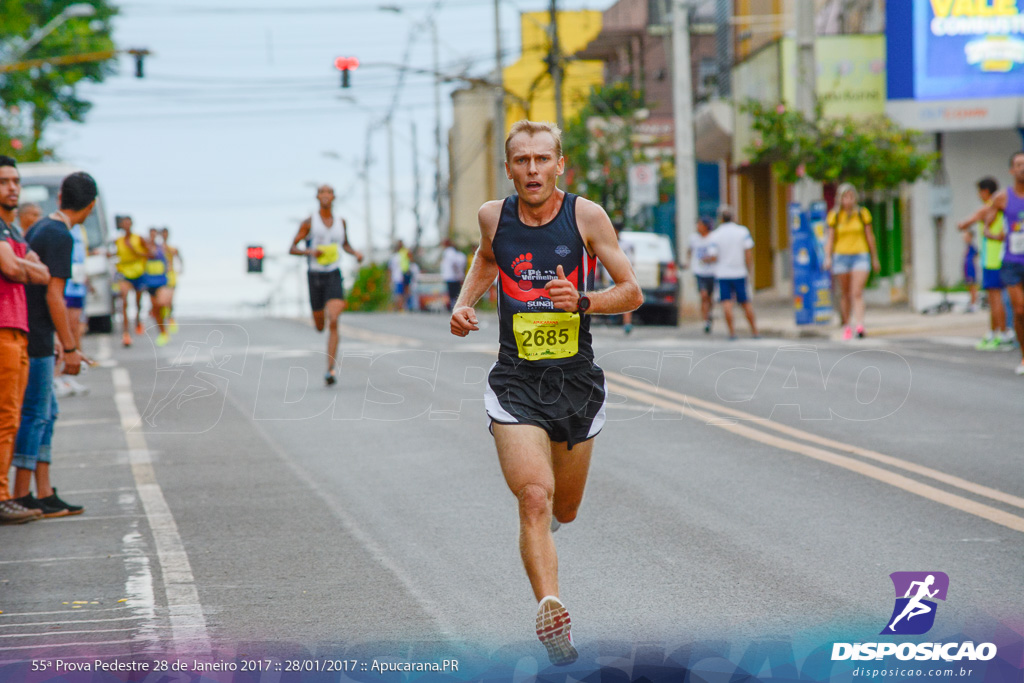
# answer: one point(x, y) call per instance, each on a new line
point(807, 190)
point(555, 64)
point(416, 189)
point(391, 180)
point(366, 194)
point(499, 109)
point(438, 194)
point(686, 167)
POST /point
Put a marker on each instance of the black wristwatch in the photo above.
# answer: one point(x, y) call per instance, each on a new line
point(583, 304)
point(71, 350)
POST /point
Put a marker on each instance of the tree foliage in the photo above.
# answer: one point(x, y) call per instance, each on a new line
point(372, 289)
point(33, 98)
point(873, 154)
point(598, 145)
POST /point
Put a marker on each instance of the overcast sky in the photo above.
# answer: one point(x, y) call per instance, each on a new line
point(224, 138)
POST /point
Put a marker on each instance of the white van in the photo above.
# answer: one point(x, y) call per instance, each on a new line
point(657, 274)
point(40, 183)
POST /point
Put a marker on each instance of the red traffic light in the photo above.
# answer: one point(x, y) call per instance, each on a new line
point(346, 63)
point(254, 252)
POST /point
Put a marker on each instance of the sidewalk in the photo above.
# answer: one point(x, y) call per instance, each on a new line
point(87, 586)
point(776, 318)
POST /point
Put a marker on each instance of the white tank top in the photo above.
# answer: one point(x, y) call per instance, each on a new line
point(330, 239)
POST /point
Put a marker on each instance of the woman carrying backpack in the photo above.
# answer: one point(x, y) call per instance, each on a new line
point(850, 254)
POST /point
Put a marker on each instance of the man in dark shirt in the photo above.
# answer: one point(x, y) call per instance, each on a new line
point(51, 238)
point(17, 267)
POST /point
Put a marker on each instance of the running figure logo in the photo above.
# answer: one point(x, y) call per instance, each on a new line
point(914, 612)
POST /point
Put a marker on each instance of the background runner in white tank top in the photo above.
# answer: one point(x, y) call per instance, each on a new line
point(329, 238)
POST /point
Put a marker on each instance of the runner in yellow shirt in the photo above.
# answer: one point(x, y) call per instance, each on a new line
point(132, 253)
point(175, 267)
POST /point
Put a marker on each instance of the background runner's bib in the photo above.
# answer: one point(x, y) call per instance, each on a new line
point(327, 240)
point(1017, 242)
point(158, 264)
point(531, 330)
point(329, 254)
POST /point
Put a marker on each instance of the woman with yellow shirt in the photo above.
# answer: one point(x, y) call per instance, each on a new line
point(850, 254)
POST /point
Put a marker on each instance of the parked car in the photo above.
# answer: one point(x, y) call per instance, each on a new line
point(40, 183)
point(654, 263)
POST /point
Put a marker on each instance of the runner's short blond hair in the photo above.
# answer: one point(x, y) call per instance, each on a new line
point(532, 128)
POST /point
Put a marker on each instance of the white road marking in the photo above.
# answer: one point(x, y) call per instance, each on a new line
point(62, 559)
point(188, 624)
point(69, 621)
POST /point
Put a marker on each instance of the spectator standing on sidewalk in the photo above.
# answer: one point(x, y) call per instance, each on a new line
point(734, 260)
point(47, 317)
point(401, 275)
point(453, 271)
point(850, 254)
point(992, 238)
point(971, 269)
point(75, 292)
point(700, 259)
point(28, 214)
point(17, 267)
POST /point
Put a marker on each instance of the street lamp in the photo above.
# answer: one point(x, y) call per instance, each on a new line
point(75, 11)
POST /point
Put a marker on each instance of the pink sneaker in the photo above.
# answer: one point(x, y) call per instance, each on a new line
point(847, 333)
point(860, 331)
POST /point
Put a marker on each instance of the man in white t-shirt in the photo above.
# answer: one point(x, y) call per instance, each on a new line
point(733, 262)
point(453, 270)
point(700, 258)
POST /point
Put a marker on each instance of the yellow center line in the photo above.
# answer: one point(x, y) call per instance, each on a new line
point(949, 479)
point(868, 470)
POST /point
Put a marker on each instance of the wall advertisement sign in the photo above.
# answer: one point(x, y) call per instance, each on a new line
point(955, 49)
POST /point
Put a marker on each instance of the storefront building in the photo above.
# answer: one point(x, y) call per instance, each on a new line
point(956, 72)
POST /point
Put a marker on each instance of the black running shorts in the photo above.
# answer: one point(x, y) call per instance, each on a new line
point(566, 401)
point(323, 287)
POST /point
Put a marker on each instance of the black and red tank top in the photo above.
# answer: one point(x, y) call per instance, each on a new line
point(531, 329)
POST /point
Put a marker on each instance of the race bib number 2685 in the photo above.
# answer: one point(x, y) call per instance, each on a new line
point(554, 334)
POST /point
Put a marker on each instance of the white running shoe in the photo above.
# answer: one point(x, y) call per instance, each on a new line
point(1020, 368)
point(61, 388)
point(553, 626)
point(77, 387)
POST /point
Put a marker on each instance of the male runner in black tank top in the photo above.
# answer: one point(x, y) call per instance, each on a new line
point(545, 395)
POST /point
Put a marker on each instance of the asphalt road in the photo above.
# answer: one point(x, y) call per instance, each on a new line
point(740, 490)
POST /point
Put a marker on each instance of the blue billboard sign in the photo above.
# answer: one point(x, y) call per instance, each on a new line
point(955, 49)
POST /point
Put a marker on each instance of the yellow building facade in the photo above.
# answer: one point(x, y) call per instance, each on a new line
point(527, 81)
